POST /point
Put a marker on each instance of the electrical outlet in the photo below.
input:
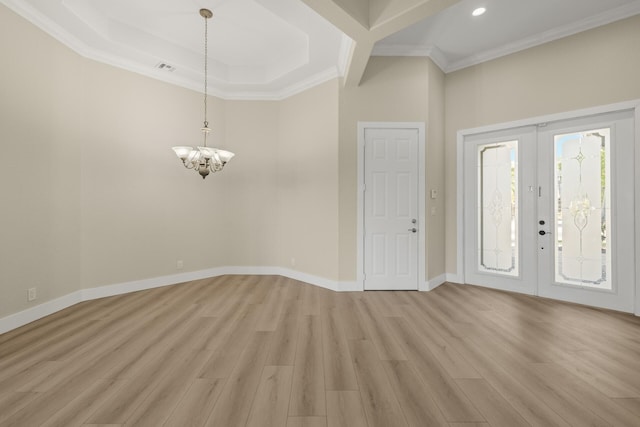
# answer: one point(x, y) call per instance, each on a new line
point(179, 264)
point(31, 294)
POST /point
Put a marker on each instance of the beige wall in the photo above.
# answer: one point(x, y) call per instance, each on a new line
point(392, 90)
point(596, 67)
point(435, 173)
point(141, 211)
point(250, 184)
point(308, 181)
point(40, 171)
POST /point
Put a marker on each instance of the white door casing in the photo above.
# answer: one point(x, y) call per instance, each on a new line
point(390, 206)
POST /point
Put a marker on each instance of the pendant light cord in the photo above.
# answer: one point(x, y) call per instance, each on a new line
point(206, 28)
point(206, 47)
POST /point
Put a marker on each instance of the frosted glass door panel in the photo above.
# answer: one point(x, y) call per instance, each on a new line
point(498, 208)
point(582, 209)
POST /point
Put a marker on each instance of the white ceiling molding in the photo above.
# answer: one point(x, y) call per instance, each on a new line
point(447, 63)
point(258, 49)
point(272, 49)
point(430, 51)
point(604, 18)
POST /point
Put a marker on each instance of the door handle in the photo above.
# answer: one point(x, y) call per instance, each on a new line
point(413, 230)
point(542, 232)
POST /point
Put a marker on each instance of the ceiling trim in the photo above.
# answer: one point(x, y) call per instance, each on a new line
point(53, 29)
point(436, 56)
point(294, 89)
point(430, 51)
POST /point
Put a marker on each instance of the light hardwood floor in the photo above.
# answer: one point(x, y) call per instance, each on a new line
point(269, 351)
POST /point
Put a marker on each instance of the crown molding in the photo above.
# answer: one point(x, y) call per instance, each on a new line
point(447, 66)
point(430, 51)
point(41, 21)
point(601, 19)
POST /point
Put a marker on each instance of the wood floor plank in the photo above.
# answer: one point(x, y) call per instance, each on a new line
point(455, 405)
point(344, 409)
point(234, 404)
point(193, 355)
point(164, 397)
point(565, 404)
point(80, 409)
point(469, 425)
point(497, 372)
point(350, 321)
point(228, 352)
point(307, 422)
point(339, 372)
point(378, 400)
point(450, 359)
point(491, 404)
point(415, 398)
point(270, 406)
point(631, 405)
point(564, 382)
point(285, 338)
point(310, 301)
point(378, 332)
point(272, 307)
point(194, 408)
point(621, 384)
point(11, 402)
point(308, 389)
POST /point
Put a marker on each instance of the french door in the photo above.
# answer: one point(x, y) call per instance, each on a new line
point(549, 210)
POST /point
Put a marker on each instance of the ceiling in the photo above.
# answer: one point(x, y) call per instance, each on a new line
point(271, 49)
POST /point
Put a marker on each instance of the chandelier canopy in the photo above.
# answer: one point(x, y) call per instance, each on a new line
point(204, 159)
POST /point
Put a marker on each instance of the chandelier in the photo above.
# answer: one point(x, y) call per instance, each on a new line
point(204, 159)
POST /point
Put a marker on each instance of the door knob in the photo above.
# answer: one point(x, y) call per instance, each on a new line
point(413, 230)
point(542, 232)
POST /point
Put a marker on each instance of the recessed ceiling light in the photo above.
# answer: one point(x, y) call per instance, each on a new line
point(479, 11)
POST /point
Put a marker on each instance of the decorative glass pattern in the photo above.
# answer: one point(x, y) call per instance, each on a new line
point(583, 209)
point(498, 208)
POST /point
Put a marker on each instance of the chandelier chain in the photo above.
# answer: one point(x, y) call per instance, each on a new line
point(206, 47)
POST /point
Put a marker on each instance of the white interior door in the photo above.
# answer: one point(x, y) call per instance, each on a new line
point(549, 210)
point(391, 209)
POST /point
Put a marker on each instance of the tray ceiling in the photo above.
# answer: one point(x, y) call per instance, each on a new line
point(270, 49)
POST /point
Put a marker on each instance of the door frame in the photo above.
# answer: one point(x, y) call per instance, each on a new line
point(422, 185)
point(634, 106)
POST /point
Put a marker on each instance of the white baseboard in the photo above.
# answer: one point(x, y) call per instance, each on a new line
point(29, 315)
point(454, 278)
point(350, 287)
point(24, 317)
point(435, 282)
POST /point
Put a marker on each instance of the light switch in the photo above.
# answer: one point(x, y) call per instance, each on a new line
point(434, 193)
